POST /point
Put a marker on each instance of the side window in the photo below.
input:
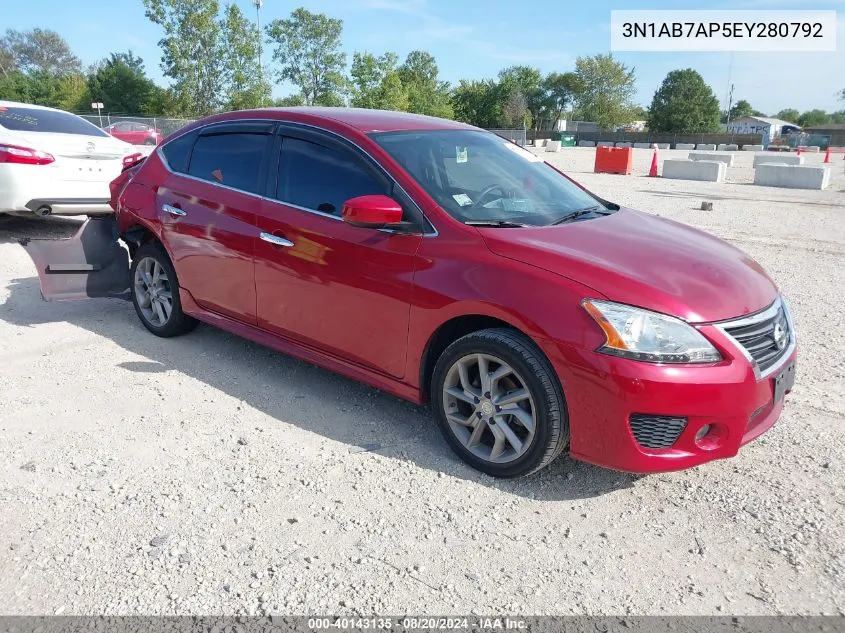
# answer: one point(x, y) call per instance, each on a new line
point(178, 151)
point(233, 159)
point(322, 178)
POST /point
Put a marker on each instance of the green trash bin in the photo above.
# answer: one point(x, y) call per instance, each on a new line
point(567, 140)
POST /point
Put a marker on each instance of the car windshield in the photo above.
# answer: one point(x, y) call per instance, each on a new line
point(481, 178)
point(37, 120)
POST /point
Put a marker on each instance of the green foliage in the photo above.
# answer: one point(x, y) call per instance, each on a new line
point(789, 114)
point(521, 88)
point(607, 90)
point(478, 103)
point(192, 54)
point(289, 101)
point(741, 109)
point(244, 81)
point(560, 91)
point(375, 83)
point(813, 117)
point(121, 84)
point(426, 93)
point(684, 103)
point(308, 51)
point(37, 51)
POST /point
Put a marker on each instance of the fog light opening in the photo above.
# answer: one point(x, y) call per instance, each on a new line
point(702, 433)
point(710, 436)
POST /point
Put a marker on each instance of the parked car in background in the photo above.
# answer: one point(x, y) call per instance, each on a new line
point(135, 133)
point(52, 161)
point(439, 262)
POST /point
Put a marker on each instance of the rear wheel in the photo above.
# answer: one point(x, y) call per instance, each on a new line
point(498, 403)
point(155, 293)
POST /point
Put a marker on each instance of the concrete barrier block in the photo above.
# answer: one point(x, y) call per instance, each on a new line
point(586, 143)
point(706, 147)
point(664, 146)
point(728, 159)
point(815, 149)
point(752, 148)
point(642, 145)
point(604, 144)
point(624, 144)
point(721, 147)
point(731, 147)
point(776, 158)
point(553, 146)
point(544, 142)
point(792, 176)
point(685, 146)
point(707, 170)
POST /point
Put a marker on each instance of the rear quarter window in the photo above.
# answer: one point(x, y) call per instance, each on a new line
point(35, 120)
point(177, 152)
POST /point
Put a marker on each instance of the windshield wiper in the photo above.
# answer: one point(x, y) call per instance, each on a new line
point(574, 215)
point(498, 223)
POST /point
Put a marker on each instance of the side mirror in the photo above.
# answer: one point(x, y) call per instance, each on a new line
point(373, 212)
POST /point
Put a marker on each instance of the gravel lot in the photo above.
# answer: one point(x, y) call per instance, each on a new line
point(208, 475)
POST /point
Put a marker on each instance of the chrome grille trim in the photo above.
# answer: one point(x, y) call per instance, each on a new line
point(766, 320)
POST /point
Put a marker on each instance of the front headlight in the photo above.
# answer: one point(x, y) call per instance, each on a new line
point(649, 336)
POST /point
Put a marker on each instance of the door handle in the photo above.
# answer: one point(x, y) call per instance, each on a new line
point(276, 240)
point(169, 208)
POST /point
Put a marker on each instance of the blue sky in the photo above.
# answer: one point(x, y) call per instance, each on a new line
point(476, 38)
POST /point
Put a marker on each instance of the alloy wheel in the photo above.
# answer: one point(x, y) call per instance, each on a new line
point(153, 292)
point(489, 408)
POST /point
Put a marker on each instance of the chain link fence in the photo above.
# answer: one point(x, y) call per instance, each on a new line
point(165, 124)
point(519, 137)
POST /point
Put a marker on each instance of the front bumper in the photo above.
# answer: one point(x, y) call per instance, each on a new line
point(602, 392)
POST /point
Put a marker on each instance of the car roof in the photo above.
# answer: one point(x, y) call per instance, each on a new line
point(18, 104)
point(366, 120)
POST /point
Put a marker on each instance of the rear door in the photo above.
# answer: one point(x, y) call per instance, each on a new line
point(207, 207)
point(343, 289)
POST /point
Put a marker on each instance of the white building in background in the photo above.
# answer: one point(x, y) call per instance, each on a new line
point(767, 126)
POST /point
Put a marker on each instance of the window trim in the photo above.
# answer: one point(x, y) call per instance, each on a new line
point(428, 228)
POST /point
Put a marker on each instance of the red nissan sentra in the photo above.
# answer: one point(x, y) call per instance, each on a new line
point(439, 262)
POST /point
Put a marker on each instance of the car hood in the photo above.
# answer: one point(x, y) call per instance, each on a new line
point(646, 261)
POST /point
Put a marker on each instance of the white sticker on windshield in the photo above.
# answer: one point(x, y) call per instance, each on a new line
point(461, 155)
point(462, 199)
point(524, 153)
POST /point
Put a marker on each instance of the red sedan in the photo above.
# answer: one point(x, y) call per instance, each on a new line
point(134, 133)
point(439, 262)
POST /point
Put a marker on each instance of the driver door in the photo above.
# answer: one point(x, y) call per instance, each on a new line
point(341, 289)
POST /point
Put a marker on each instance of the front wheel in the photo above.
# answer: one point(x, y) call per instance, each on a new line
point(498, 403)
point(155, 293)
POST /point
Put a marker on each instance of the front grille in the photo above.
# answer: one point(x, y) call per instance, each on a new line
point(765, 336)
point(656, 431)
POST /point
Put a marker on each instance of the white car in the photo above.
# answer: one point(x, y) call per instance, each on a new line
point(54, 162)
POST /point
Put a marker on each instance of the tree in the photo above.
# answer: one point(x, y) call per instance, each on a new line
point(38, 50)
point(245, 86)
point(684, 103)
point(307, 49)
point(515, 111)
point(524, 81)
point(191, 51)
point(607, 89)
point(289, 101)
point(842, 95)
point(121, 84)
point(375, 83)
point(426, 93)
point(789, 114)
point(813, 117)
point(478, 103)
point(560, 90)
point(741, 109)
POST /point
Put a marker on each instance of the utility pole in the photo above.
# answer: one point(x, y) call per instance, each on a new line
point(730, 103)
point(258, 4)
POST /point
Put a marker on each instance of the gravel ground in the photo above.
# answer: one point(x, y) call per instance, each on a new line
point(208, 475)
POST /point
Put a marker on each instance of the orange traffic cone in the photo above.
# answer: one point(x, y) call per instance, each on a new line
point(827, 156)
point(798, 153)
point(652, 173)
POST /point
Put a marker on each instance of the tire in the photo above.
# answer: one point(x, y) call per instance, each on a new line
point(532, 380)
point(148, 257)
